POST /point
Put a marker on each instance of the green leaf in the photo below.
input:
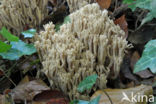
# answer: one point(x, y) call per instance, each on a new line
point(87, 83)
point(79, 102)
point(128, 1)
point(148, 18)
point(74, 102)
point(58, 25)
point(18, 49)
point(154, 84)
point(26, 49)
point(144, 4)
point(95, 100)
point(6, 34)
point(66, 20)
point(12, 54)
point(29, 33)
point(148, 59)
point(4, 47)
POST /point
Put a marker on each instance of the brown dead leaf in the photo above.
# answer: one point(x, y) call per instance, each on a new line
point(25, 80)
point(143, 74)
point(1, 72)
point(51, 97)
point(142, 35)
point(38, 102)
point(135, 57)
point(27, 91)
point(123, 24)
point(2, 99)
point(6, 91)
point(131, 84)
point(104, 4)
point(116, 95)
point(126, 72)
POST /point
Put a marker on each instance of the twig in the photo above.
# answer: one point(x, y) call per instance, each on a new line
point(108, 97)
point(119, 10)
point(116, 4)
point(10, 80)
point(8, 74)
point(136, 23)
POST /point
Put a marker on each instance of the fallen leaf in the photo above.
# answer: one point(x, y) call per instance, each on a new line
point(6, 91)
point(104, 4)
point(51, 97)
point(135, 57)
point(143, 74)
point(25, 80)
point(126, 71)
point(6, 99)
point(53, 2)
point(2, 99)
point(39, 103)
point(58, 101)
point(143, 35)
point(123, 24)
point(1, 72)
point(116, 95)
point(27, 91)
point(131, 84)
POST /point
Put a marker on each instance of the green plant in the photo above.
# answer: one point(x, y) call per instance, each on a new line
point(87, 84)
point(94, 101)
point(148, 59)
point(14, 48)
point(29, 33)
point(144, 4)
point(58, 25)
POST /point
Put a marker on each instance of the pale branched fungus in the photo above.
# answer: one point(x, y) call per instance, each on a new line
point(77, 4)
point(91, 43)
point(15, 15)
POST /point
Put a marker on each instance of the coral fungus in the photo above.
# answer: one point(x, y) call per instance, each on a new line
point(17, 14)
point(90, 43)
point(77, 4)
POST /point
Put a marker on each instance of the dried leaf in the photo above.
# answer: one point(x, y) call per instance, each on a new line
point(117, 95)
point(39, 103)
point(27, 91)
point(145, 74)
point(51, 97)
point(1, 72)
point(6, 91)
point(123, 24)
point(25, 80)
point(126, 71)
point(135, 57)
point(142, 35)
point(104, 4)
point(2, 99)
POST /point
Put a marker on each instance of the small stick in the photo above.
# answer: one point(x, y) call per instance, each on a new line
point(108, 97)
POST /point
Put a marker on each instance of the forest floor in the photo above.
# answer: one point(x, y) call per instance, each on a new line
point(24, 76)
